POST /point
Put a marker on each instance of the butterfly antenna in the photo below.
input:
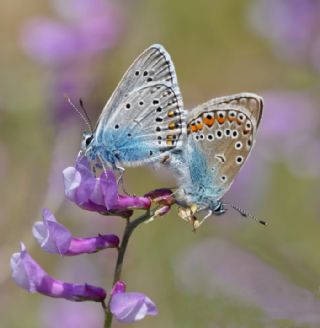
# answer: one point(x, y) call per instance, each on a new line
point(86, 114)
point(84, 117)
point(247, 215)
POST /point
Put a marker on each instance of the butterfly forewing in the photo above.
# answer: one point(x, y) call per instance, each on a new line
point(225, 132)
point(157, 124)
point(154, 65)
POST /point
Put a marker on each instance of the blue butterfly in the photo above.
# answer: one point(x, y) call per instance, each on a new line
point(144, 119)
point(220, 137)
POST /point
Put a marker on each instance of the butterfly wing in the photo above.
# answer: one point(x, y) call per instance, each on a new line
point(144, 116)
point(224, 131)
point(154, 65)
point(151, 123)
point(252, 102)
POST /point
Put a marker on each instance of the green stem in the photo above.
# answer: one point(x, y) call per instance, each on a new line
point(130, 226)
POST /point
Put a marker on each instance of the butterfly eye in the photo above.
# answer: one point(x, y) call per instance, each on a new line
point(88, 140)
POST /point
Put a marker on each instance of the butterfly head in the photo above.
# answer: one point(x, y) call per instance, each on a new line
point(87, 141)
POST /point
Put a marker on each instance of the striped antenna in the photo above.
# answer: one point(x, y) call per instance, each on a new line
point(86, 114)
point(83, 114)
point(246, 214)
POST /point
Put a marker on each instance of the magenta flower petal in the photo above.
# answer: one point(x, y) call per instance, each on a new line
point(30, 276)
point(113, 200)
point(92, 244)
point(119, 287)
point(161, 196)
point(130, 307)
point(53, 237)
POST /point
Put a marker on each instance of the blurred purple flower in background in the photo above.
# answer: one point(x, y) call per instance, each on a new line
point(289, 131)
point(129, 307)
point(55, 314)
point(238, 274)
point(70, 43)
point(289, 134)
point(292, 27)
point(30, 276)
point(53, 237)
point(83, 28)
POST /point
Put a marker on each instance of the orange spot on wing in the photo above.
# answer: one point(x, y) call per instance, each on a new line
point(208, 121)
point(194, 127)
point(221, 120)
point(200, 125)
point(171, 125)
point(171, 113)
point(169, 140)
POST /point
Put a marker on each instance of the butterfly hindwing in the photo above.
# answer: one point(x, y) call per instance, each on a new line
point(250, 101)
point(224, 130)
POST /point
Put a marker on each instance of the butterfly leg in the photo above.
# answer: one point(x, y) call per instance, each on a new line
point(120, 179)
point(103, 166)
point(198, 224)
point(188, 215)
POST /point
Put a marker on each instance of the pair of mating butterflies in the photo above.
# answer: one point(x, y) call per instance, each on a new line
point(144, 122)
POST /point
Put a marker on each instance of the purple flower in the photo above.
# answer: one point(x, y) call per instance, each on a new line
point(99, 194)
point(53, 237)
point(30, 276)
point(130, 307)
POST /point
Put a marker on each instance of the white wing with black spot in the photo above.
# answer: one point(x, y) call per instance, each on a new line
point(154, 65)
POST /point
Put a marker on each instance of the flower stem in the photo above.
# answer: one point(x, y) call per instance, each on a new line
point(130, 226)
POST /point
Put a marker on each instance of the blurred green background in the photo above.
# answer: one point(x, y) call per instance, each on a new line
point(232, 272)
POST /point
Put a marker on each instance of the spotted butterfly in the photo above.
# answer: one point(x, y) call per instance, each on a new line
point(220, 137)
point(144, 119)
